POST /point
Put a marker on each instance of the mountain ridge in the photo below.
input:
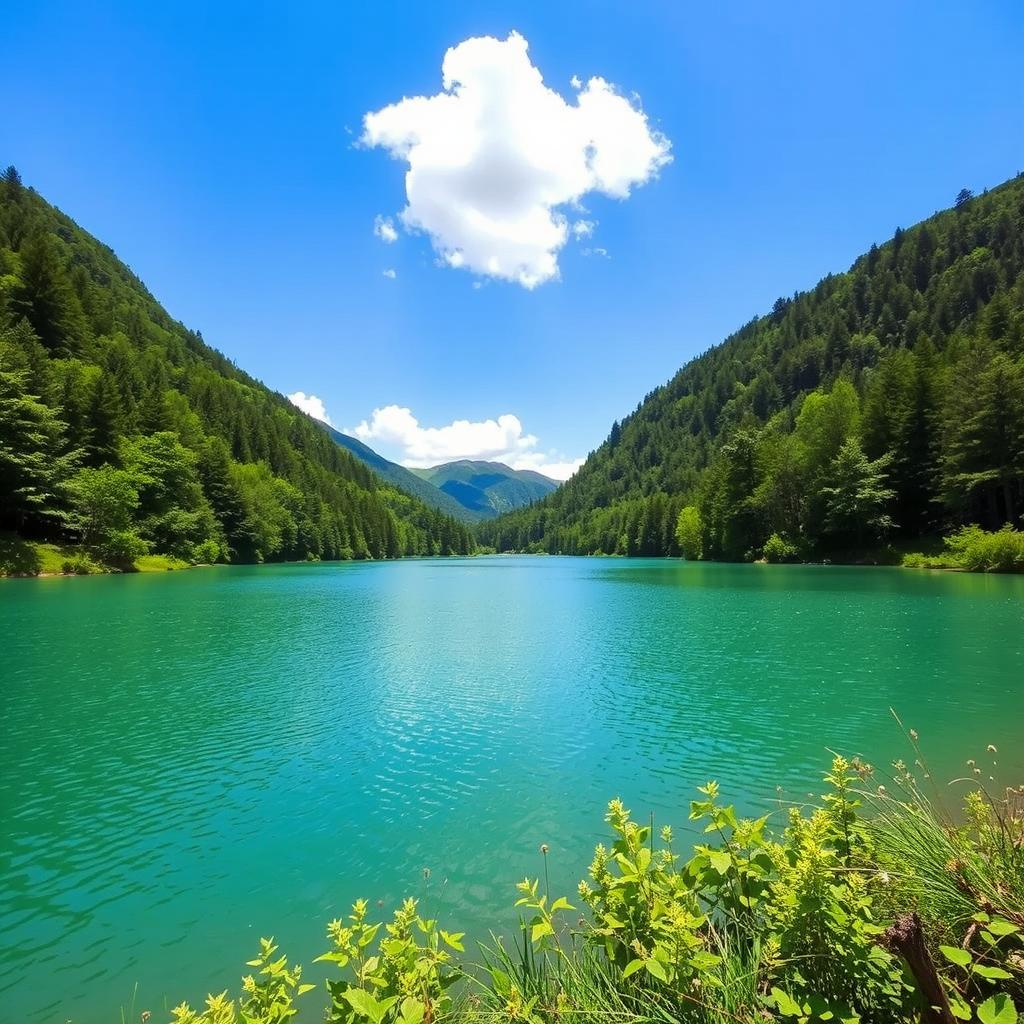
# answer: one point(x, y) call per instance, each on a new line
point(488, 488)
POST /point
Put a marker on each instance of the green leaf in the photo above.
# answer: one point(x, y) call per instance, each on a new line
point(704, 961)
point(721, 860)
point(362, 1002)
point(454, 939)
point(1000, 926)
point(960, 1009)
point(333, 958)
point(561, 904)
point(992, 973)
point(656, 969)
point(998, 1009)
point(787, 1005)
point(540, 929)
point(632, 967)
point(412, 1010)
point(303, 989)
point(955, 955)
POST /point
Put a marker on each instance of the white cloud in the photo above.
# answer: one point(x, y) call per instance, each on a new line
point(583, 228)
point(495, 155)
point(576, 82)
point(495, 440)
point(596, 251)
point(384, 229)
point(311, 405)
point(548, 465)
point(390, 273)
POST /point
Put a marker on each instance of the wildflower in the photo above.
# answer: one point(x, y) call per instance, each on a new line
point(913, 735)
point(881, 790)
point(145, 1016)
point(883, 877)
point(992, 749)
point(971, 762)
point(544, 848)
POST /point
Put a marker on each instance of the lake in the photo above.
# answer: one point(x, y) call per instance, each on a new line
point(196, 759)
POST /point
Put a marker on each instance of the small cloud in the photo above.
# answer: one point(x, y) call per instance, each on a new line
point(583, 228)
point(384, 229)
point(311, 405)
point(549, 464)
point(496, 156)
point(495, 440)
point(576, 82)
point(390, 274)
point(596, 251)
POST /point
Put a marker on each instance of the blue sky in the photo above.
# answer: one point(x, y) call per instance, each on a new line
point(213, 147)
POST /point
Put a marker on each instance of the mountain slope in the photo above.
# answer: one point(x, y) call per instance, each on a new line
point(887, 402)
point(404, 479)
point(122, 430)
point(486, 489)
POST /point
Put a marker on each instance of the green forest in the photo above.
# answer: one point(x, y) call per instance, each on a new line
point(884, 406)
point(125, 436)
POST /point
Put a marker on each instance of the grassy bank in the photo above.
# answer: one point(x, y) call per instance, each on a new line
point(20, 557)
point(877, 903)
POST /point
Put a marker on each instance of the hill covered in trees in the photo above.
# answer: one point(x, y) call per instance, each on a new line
point(122, 431)
point(885, 403)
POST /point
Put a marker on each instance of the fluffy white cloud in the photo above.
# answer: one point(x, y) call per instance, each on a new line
point(384, 229)
point(583, 228)
point(497, 440)
point(496, 154)
point(311, 405)
point(390, 273)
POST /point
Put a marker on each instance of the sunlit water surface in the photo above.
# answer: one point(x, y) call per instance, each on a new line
point(192, 760)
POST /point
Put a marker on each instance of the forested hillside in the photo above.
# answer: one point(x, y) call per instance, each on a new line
point(122, 431)
point(886, 403)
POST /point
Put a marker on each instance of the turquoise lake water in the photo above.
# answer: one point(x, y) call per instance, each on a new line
point(192, 760)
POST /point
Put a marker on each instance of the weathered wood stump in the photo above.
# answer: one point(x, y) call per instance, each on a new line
point(905, 937)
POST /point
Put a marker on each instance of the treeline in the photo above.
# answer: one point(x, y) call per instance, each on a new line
point(122, 430)
point(888, 402)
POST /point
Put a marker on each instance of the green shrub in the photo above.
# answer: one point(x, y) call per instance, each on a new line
point(121, 548)
point(777, 549)
point(980, 551)
point(752, 925)
point(976, 550)
point(79, 564)
point(207, 553)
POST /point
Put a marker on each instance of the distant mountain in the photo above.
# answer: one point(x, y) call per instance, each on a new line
point(405, 479)
point(487, 489)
